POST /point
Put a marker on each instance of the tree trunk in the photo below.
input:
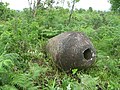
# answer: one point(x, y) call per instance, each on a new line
point(71, 12)
point(38, 3)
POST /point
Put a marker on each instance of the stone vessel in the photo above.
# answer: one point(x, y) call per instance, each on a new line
point(71, 50)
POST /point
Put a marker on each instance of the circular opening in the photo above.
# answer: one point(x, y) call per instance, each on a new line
point(87, 54)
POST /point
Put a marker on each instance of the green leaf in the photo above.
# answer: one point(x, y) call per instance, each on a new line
point(8, 87)
point(74, 71)
point(77, 0)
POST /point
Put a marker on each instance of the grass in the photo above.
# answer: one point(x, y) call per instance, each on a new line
point(23, 61)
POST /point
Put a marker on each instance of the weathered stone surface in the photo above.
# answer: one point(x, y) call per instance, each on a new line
point(71, 50)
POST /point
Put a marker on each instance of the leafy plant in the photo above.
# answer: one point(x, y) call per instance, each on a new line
point(23, 36)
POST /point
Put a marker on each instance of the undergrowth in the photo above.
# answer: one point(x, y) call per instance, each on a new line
point(23, 62)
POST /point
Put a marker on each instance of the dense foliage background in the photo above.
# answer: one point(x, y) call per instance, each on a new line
point(23, 36)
